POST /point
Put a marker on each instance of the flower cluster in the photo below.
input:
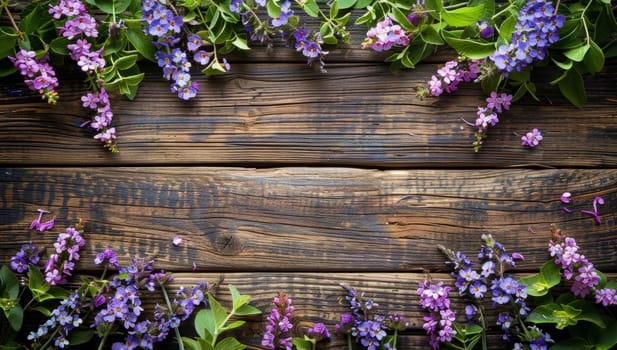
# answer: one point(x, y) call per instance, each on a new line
point(532, 138)
point(418, 12)
point(80, 25)
point(39, 75)
point(385, 35)
point(166, 27)
point(489, 115)
point(452, 74)
point(536, 29)
point(27, 255)
point(490, 280)
point(434, 297)
point(309, 43)
point(65, 318)
point(575, 266)
point(369, 330)
point(279, 324)
point(318, 332)
point(61, 263)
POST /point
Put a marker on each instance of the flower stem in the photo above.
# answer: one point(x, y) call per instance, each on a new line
point(176, 330)
point(19, 32)
point(349, 345)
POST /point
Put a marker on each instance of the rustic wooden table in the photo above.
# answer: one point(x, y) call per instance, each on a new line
point(280, 178)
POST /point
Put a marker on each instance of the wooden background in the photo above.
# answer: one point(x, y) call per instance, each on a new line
point(280, 178)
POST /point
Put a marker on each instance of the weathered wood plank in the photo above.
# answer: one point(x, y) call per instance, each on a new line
point(355, 115)
point(309, 219)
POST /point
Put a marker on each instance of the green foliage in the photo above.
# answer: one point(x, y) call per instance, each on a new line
point(210, 323)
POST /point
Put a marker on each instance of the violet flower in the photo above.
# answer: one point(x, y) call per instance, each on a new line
point(177, 241)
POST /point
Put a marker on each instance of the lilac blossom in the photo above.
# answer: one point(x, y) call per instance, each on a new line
point(532, 138)
point(434, 297)
point(277, 334)
point(38, 74)
point(62, 262)
point(81, 26)
point(385, 35)
point(576, 267)
point(452, 74)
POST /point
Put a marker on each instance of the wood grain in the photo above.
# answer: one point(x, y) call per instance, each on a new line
point(273, 115)
point(309, 219)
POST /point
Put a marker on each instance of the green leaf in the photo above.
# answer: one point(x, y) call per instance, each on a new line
point(33, 20)
point(16, 317)
point(36, 283)
point(80, 336)
point(42, 309)
point(577, 54)
point(401, 18)
point(463, 16)
point(110, 6)
point(273, 8)
point(233, 325)
point(205, 324)
point(507, 28)
point(588, 312)
point(573, 88)
point(570, 344)
point(229, 343)
point(594, 59)
point(608, 340)
point(468, 47)
point(361, 4)
point(471, 328)
point(8, 45)
point(125, 62)
point(113, 44)
point(563, 65)
point(59, 46)
point(240, 43)
point(247, 310)
point(334, 7)
point(9, 285)
point(191, 344)
point(219, 313)
point(301, 344)
point(311, 8)
point(345, 4)
point(237, 299)
point(139, 40)
point(551, 273)
point(430, 35)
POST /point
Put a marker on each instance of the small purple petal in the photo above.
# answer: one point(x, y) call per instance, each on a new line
point(47, 225)
point(596, 201)
point(594, 214)
point(177, 241)
point(568, 210)
point(565, 197)
point(518, 256)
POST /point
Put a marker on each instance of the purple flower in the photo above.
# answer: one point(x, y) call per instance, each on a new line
point(284, 15)
point(532, 138)
point(385, 35)
point(39, 75)
point(27, 255)
point(486, 30)
point(536, 29)
point(319, 331)
point(278, 324)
